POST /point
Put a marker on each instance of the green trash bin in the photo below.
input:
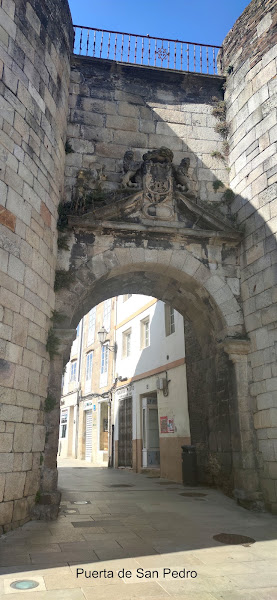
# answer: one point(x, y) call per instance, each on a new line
point(189, 465)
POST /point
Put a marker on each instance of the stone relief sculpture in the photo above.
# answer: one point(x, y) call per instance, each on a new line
point(131, 170)
point(181, 174)
point(158, 177)
point(152, 189)
point(88, 186)
point(158, 184)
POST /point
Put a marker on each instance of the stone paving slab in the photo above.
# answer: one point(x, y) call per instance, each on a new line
point(249, 594)
point(148, 527)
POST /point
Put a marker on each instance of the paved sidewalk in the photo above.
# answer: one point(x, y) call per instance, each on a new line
point(146, 526)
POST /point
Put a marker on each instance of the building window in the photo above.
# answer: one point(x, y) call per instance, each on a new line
point(89, 366)
point(104, 366)
point(63, 426)
point(126, 343)
point(107, 314)
point(91, 326)
point(78, 330)
point(126, 297)
point(104, 359)
point(89, 362)
point(169, 315)
point(103, 426)
point(73, 371)
point(144, 333)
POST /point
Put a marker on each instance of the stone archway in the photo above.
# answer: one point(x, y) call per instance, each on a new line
point(220, 413)
point(157, 240)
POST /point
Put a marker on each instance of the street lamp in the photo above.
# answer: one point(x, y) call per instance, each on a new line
point(102, 336)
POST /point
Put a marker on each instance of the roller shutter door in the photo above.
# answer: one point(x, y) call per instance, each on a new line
point(88, 434)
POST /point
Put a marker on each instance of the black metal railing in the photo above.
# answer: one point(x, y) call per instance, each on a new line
point(145, 50)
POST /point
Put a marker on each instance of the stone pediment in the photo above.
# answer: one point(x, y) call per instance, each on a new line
point(159, 196)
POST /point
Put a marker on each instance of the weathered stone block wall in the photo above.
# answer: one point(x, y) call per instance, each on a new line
point(114, 108)
point(250, 55)
point(210, 409)
point(35, 45)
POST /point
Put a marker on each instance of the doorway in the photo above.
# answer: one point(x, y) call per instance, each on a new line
point(88, 435)
point(150, 433)
point(125, 449)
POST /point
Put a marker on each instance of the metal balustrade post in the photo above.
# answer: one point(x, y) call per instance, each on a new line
point(122, 48)
point(81, 37)
point(109, 45)
point(101, 44)
point(142, 50)
point(94, 43)
point(200, 59)
point(87, 44)
point(115, 46)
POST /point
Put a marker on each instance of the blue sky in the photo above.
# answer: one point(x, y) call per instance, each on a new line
point(202, 21)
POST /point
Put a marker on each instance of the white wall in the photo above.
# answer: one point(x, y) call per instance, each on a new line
point(74, 353)
point(162, 350)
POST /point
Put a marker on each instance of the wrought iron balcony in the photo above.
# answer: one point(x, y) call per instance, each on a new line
point(145, 50)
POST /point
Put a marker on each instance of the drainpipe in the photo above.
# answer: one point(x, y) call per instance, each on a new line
point(110, 436)
point(110, 460)
point(79, 391)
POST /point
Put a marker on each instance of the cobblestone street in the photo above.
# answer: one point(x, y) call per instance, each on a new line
point(140, 523)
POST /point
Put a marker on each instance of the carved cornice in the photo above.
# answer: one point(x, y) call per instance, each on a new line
point(175, 228)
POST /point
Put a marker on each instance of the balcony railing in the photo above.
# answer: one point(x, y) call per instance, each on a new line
point(145, 50)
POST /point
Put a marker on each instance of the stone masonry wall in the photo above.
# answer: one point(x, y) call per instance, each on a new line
point(250, 55)
point(35, 46)
point(210, 411)
point(114, 108)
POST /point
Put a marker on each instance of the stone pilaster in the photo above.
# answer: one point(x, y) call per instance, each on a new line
point(48, 506)
point(245, 470)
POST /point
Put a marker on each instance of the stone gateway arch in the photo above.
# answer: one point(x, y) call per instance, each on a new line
point(118, 178)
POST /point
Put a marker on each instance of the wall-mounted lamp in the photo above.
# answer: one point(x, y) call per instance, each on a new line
point(102, 336)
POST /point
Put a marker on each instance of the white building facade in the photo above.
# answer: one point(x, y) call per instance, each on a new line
point(85, 417)
point(151, 419)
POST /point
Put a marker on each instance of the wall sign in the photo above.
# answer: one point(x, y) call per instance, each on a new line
point(87, 404)
point(170, 426)
point(123, 392)
point(167, 425)
point(163, 424)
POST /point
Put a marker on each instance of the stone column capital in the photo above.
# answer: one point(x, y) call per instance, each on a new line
point(236, 349)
